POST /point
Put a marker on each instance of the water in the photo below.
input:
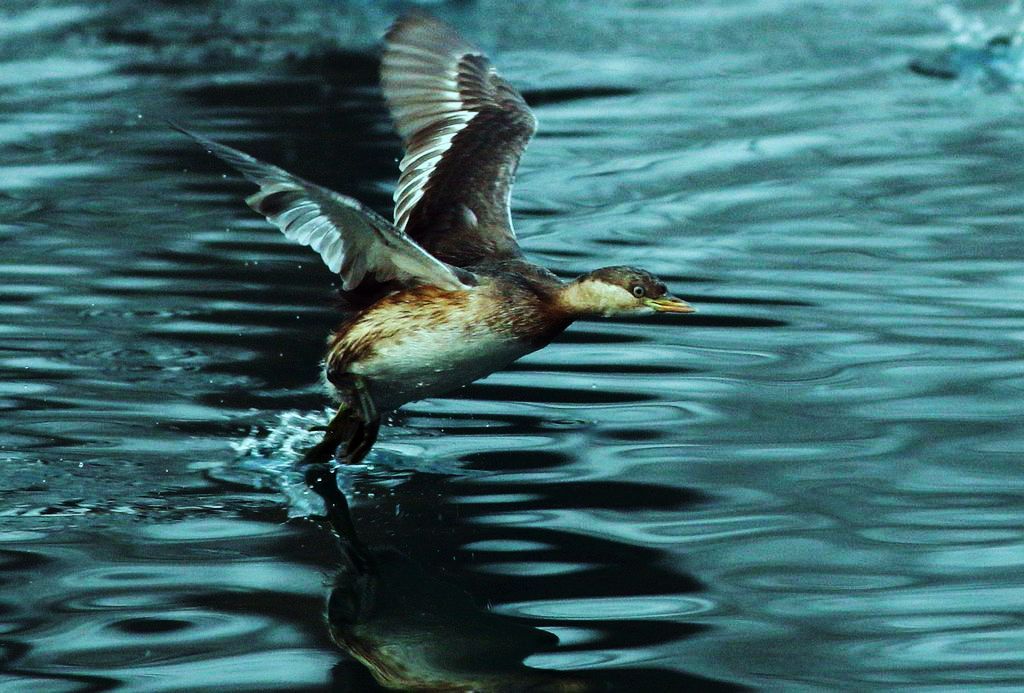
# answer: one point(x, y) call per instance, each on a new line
point(813, 483)
point(983, 55)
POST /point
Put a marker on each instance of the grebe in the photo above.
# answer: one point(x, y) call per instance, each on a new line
point(444, 294)
point(997, 65)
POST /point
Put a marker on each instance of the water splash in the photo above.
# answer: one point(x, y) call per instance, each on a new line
point(967, 30)
point(986, 54)
point(268, 459)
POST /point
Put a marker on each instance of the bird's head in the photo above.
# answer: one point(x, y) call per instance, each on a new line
point(620, 290)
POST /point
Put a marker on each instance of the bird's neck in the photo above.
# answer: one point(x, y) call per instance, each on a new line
point(588, 298)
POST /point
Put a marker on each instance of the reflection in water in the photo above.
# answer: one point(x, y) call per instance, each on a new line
point(999, 64)
point(407, 603)
point(415, 630)
point(815, 486)
point(980, 55)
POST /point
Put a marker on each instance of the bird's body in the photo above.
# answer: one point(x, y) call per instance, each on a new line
point(445, 294)
point(423, 341)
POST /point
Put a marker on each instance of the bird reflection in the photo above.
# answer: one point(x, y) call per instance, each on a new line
point(413, 629)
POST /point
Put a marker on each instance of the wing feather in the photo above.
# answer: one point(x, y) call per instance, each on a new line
point(464, 130)
point(351, 239)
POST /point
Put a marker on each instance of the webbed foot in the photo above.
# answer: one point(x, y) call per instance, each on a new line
point(356, 425)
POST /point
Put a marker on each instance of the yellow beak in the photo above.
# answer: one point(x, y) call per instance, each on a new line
point(669, 304)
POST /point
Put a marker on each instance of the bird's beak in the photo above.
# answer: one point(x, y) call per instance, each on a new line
point(669, 304)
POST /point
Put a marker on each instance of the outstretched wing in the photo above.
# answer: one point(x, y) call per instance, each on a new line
point(464, 129)
point(353, 240)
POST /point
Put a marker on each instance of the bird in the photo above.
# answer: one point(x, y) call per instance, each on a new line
point(996, 65)
point(443, 294)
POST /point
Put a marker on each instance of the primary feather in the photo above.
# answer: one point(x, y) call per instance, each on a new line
point(351, 239)
point(464, 130)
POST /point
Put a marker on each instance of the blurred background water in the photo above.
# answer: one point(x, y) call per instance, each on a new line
point(814, 483)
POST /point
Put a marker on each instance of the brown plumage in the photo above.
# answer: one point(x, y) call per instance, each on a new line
point(443, 294)
point(464, 129)
point(357, 338)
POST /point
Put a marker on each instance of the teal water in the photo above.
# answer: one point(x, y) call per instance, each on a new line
point(812, 484)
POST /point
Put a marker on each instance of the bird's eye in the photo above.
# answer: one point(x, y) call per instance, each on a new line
point(638, 291)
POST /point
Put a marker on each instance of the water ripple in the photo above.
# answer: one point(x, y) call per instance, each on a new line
point(811, 484)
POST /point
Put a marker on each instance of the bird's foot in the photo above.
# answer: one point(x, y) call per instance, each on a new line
point(356, 424)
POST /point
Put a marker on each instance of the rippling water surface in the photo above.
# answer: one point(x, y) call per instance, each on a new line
point(813, 483)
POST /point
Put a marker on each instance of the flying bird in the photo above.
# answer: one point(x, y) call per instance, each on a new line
point(443, 294)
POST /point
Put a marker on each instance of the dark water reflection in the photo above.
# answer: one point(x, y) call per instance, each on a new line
point(813, 484)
